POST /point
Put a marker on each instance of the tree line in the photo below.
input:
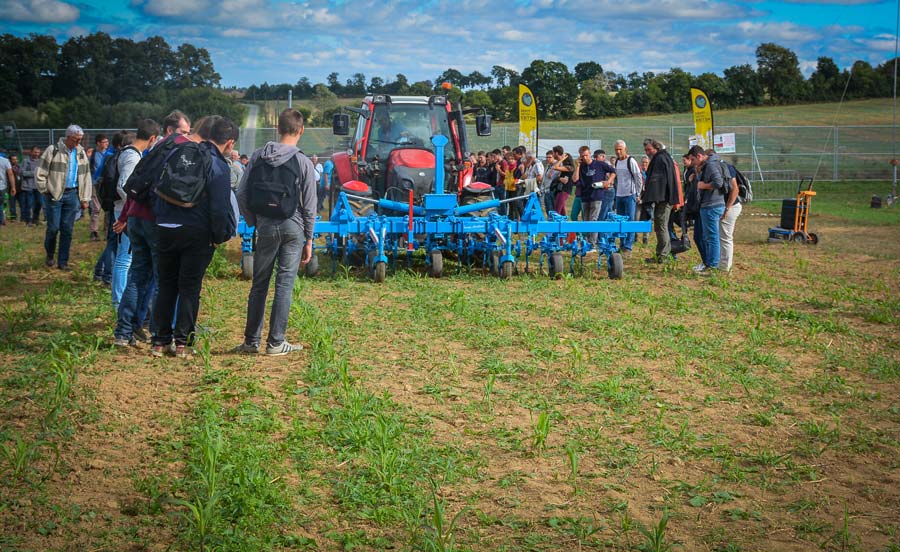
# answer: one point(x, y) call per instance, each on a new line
point(103, 82)
point(591, 92)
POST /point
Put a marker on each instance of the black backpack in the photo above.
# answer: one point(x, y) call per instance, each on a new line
point(107, 184)
point(274, 192)
point(184, 176)
point(146, 174)
point(745, 191)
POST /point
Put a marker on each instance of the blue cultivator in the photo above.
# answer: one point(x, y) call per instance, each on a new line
point(440, 225)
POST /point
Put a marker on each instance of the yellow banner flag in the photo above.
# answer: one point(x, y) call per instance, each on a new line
point(703, 123)
point(528, 121)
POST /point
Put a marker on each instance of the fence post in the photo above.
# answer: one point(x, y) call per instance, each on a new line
point(672, 138)
point(834, 176)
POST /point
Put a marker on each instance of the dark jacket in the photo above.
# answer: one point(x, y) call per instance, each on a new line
point(661, 184)
point(213, 216)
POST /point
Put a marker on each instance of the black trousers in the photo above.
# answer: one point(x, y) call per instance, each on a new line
point(183, 255)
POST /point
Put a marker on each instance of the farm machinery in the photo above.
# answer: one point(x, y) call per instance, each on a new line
point(404, 185)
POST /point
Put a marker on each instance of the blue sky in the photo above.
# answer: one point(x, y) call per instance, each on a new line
point(252, 41)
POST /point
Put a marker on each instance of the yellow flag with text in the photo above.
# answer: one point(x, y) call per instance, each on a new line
point(528, 121)
point(703, 122)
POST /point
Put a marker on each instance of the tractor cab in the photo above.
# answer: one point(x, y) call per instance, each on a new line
point(391, 153)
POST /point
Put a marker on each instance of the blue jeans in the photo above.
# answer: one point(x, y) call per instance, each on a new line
point(500, 193)
point(709, 219)
point(37, 202)
point(549, 198)
point(25, 197)
point(625, 206)
point(60, 220)
point(104, 267)
point(12, 204)
point(281, 240)
point(2, 206)
point(698, 239)
point(120, 269)
point(140, 291)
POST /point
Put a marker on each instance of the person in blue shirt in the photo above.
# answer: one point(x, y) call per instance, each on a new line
point(327, 177)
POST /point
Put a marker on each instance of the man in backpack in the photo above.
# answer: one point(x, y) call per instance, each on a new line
point(277, 166)
point(629, 183)
point(126, 160)
point(103, 269)
point(64, 179)
point(660, 191)
point(188, 236)
point(140, 222)
point(710, 182)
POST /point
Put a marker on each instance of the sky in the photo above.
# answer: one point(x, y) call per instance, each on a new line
point(251, 41)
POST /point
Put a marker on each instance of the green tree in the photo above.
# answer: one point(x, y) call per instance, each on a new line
point(506, 102)
point(587, 70)
point(779, 72)
point(863, 81)
point(596, 102)
point(826, 82)
point(745, 85)
point(503, 76)
point(554, 87)
point(478, 98)
point(479, 80)
point(199, 102)
point(716, 88)
point(421, 88)
point(452, 76)
point(193, 68)
point(324, 101)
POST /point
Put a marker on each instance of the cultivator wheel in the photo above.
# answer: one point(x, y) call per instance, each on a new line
point(556, 265)
point(506, 270)
point(247, 266)
point(813, 239)
point(799, 237)
point(437, 264)
point(615, 267)
point(379, 272)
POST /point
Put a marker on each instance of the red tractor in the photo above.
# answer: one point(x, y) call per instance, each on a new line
point(391, 153)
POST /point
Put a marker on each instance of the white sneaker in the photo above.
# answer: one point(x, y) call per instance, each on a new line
point(699, 268)
point(283, 349)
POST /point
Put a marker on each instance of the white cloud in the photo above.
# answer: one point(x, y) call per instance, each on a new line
point(513, 34)
point(39, 11)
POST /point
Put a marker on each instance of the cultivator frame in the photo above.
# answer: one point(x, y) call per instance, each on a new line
point(440, 225)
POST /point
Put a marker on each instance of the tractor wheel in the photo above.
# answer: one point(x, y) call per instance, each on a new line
point(615, 267)
point(312, 267)
point(379, 272)
point(813, 239)
point(247, 266)
point(437, 264)
point(798, 237)
point(506, 270)
point(556, 265)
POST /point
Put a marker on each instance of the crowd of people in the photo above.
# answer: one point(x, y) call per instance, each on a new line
point(703, 193)
point(159, 244)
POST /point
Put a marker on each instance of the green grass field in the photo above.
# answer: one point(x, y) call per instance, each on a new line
point(663, 411)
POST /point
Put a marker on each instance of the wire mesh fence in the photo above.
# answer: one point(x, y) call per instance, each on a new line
point(820, 152)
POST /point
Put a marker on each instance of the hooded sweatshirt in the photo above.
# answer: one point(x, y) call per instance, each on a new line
point(277, 154)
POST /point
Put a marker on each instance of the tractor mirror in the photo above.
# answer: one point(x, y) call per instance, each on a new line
point(483, 125)
point(340, 124)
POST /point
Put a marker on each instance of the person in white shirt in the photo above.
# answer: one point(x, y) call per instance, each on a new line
point(629, 185)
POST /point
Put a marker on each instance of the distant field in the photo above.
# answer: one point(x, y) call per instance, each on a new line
point(800, 139)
